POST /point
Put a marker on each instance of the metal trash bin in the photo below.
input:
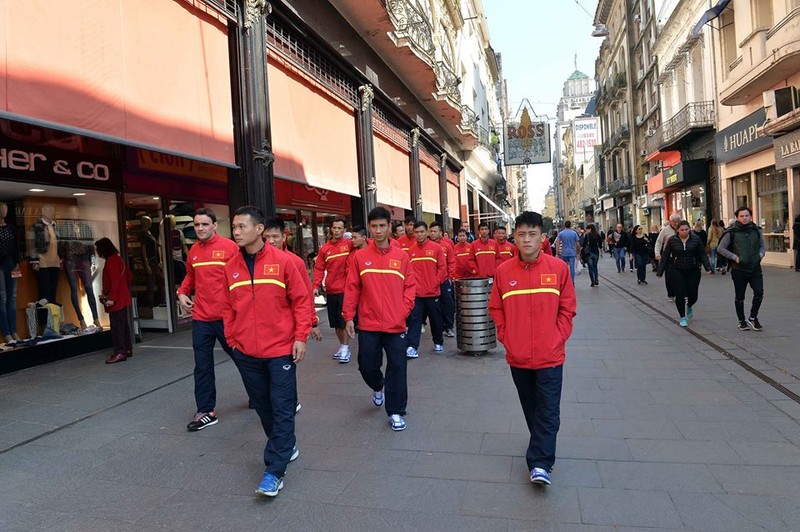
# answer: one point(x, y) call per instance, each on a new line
point(475, 328)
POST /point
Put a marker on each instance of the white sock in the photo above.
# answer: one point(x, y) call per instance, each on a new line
point(344, 348)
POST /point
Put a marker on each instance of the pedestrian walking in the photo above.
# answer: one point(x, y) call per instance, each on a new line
point(205, 280)
point(430, 271)
point(722, 262)
point(447, 301)
point(796, 242)
point(331, 268)
point(505, 249)
point(684, 253)
point(485, 252)
point(535, 345)
point(631, 262)
point(116, 299)
point(465, 256)
point(744, 247)
point(620, 240)
point(266, 317)
point(652, 236)
point(569, 247)
point(669, 230)
point(640, 248)
point(381, 288)
point(714, 234)
point(592, 248)
point(406, 240)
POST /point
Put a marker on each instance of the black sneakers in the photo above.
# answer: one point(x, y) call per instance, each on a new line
point(743, 326)
point(754, 324)
point(202, 420)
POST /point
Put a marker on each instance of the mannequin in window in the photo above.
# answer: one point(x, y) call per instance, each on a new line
point(9, 271)
point(45, 261)
point(76, 249)
point(151, 258)
point(178, 248)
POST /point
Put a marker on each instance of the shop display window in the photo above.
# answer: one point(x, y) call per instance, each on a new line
point(773, 208)
point(50, 275)
point(741, 192)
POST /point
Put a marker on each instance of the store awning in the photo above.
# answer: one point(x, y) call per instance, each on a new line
point(500, 211)
point(709, 15)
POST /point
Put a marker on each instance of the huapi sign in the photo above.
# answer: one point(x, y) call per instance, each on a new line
point(526, 141)
point(741, 138)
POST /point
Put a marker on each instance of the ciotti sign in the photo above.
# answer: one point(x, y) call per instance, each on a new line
point(526, 141)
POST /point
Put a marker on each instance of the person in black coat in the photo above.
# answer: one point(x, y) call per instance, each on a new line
point(684, 253)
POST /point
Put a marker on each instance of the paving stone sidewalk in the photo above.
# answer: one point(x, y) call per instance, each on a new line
point(659, 431)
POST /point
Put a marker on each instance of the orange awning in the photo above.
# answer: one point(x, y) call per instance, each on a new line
point(655, 183)
point(670, 158)
point(392, 174)
point(430, 189)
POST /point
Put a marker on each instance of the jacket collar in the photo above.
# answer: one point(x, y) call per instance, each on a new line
point(211, 241)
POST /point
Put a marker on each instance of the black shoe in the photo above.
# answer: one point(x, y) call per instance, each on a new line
point(743, 326)
point(644, 282)
point(754, 323)
point(202, 420)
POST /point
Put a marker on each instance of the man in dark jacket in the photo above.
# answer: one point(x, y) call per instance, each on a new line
point(744, 247)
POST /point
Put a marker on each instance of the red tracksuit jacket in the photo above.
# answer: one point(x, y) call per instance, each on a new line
point(117, 278)
point(264, 314)
point(205, 269)
point(485, 257)
point(505, 251)
point(405, 242)
point(449, 256)
point(300, 264)
point(532, 305)
point(381, 286)
point(465, 261)
point(430, 268)
point(333, 258)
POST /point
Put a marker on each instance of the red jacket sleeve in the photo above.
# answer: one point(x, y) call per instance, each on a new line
point(300, 298)
point(187, 286)
point(567, 305)
point(441, 266)
point(227, 309)
point(319, 270)
point(546, 248)
point(409, 287)
point(352, 290)
point(496, 310)
point(112, 284)
point(473, 264)
point(451, 261)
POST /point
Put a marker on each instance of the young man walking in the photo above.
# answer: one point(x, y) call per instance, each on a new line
point(205, 278)
point(406, 240)
point(569, 247)
point(447, 302)
point(744, 247)
point(485, 252)
point(267, 316)
point(620, 239)
point(331, 266)
point(430, 271)
point(465, 256)
point(505, 249)
point(381, 288)
point(535, 345)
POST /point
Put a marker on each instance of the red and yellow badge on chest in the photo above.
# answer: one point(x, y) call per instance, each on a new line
point(218, 254)
point(272, 270)
point(394, 264)
point(549, 279)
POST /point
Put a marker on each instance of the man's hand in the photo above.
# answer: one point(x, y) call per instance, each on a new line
point(109, 303)
point(298, 351)
point(185, 302)
point(316, 292)
point(737, 259)
point(316, 334)
point(35, 266)
point(350, 328)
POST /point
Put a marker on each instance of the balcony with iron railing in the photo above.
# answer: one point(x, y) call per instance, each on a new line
point(412, 27)
point(616, 187)
point(693, 120)
point(447, 83)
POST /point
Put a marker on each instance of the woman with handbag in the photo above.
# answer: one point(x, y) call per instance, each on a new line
point(116, 299)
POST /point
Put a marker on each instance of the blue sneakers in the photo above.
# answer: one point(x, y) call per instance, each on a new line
point(438, 348)
point(270, 485)
point(684, 322)
point(295, 454)
point(377, 397)
point(397, 422)
point(540, 476)
point(690, 312)
point(411, 353)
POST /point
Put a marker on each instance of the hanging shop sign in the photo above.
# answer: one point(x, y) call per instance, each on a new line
point(787, 150)
point(685, 173)
point(741, 138)
point(526, 141)
point(165, 163)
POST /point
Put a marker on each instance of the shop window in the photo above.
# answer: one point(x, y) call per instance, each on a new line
point(50, 275)
point(728, 36)
point(773, 208)
point(741, 192)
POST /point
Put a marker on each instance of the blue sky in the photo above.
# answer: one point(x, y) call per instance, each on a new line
point(538, 40)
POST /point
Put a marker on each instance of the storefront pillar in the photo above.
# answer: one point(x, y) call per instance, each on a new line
point(416, 182)
point(252, 131)
point(443, 203)
point(367, 184)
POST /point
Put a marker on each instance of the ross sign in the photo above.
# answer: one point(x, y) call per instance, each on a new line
point(787, 150)
point(741, 138)
point(526, 141)
point(585, 135)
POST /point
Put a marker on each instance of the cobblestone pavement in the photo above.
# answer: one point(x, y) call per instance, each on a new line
point(661, 429)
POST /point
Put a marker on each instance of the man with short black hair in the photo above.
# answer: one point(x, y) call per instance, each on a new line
point(331, 265)
point(535, 344)
point(406, 240)
point(430, 271)
point(505, 249)
point(381, 287)
point(744, 246)
point(465, 256)
point(485, 252)
point(447, 302)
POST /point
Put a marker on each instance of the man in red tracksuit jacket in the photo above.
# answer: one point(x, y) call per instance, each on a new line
point(485, 252)
point(447, 302)
point(430, 271)
point(267, 319)
point(533, 304)
point(332, 259)
point(381, 288)
point(505, 249)
point(465, 256)
point(406, 240)
point(206, 279)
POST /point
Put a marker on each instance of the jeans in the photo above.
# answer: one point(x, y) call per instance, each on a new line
point(641, 266)
point(686, 286)
point(447, 305)
point(713, 258)
point(271, 385)
point(8, 298)
point(120, 331)
point(571, 262)
point(204, 335)
point(371, 346)
point(47, 278)
point(591, 264)
point(425, 307)
point(80, 269)
point(539, 393)
point(740, 281)
point(619, 257)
